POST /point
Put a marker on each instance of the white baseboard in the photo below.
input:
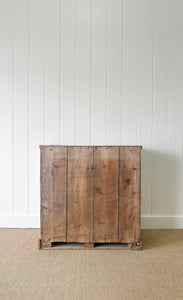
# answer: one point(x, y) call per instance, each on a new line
point(147, 222)
point(162, 222)
point(19, 221)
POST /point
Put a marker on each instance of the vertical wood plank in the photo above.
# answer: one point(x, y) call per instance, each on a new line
point(6, 80)
point(80, 194)
point(45, 180)
point(53, 193)
point(144, 97)
point(106, 194)
point(129, 72)
point(36, 101)
point(160, 108)
point(83, 33)
point(129, 195)
point(114, 56)
point(20, 106)
point(98, 72)
point(59, 179)
point(51, 65)
point(67, 71)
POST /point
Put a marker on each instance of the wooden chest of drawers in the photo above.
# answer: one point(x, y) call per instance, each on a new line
point(90, 197)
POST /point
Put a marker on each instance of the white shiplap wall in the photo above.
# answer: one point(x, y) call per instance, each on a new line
point(91, 72)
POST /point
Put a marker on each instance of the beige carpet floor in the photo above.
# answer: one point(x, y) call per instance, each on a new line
point(26, 273)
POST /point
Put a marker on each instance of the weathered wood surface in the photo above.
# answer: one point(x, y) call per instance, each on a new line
point(80, 194)
point(106, 194)
point(53, 194)
point(129, 195)
point(90, 195)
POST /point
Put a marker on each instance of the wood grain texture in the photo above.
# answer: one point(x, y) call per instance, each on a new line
point(80, 194)
point(129, 195)
point(53, 194)
point(90, 195)
point(106, 194)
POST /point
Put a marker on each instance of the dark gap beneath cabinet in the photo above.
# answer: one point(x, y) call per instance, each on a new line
point(82, 245)
point(110, 245)
point(66, 245)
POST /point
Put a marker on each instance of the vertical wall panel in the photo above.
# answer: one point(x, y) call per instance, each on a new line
point(114, 53)
point(6, 80)
point(67, 71)
point(98, 72)
point(20, 106)
point(51, 65)
point(160, 108)
point(175, 110)
point(36, 101)
point(83, 33)
point(129, 72)
point(91, 72)
point(144, 97)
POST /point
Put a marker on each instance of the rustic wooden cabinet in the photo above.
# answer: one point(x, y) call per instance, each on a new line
point(90, 197)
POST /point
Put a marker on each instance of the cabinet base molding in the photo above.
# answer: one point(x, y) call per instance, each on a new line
point(88, 246)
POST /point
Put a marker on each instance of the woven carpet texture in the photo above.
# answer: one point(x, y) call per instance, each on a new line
point(27, 273)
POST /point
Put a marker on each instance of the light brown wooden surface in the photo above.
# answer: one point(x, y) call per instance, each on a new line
point(129, 195)
point(90, 194)
point(53, 194)
point(80, 194)
point(106, 194)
